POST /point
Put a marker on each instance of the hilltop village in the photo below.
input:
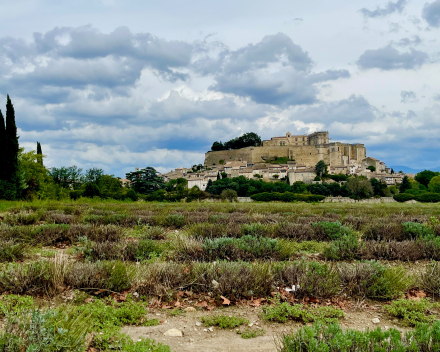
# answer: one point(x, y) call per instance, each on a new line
point(289, 158)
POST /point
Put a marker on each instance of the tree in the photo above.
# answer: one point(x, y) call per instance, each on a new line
point(67, 177)
point(378, 187)
point(371, 168)
point(10, 184)
point(146, 180)
point(425, 177)
point(229, 194)
point(405, 185)
point(39, 153)
point(434, 184)
point(321, 168)
point(93, 175)
point(250, 139)
point(2, 147)
point(209, 185)
point(216, 146)
point(360, 188)
point(299, 187)
point(392, 171)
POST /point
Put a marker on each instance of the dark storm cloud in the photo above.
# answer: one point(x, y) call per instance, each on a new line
point(431, 13)
point(389, 58)
point(408, 97)
point(390, 8)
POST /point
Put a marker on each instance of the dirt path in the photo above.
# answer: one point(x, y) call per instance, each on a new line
point(198, 338)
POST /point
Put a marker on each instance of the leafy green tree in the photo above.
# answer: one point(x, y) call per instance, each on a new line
point(216, 146)
point(371, 168)
point(360, 188)
point(146, 180)
point(93, 175)
point(91, 190)
point(111, 187)
point(250, 139)
point(230, 195)
point(39, 153)
point(299, 187)
point(321, 169)
point(67, 177)
point(405, 185)
point(378, 187)
point(37, 179)
point(425, 177)
point(434, 184)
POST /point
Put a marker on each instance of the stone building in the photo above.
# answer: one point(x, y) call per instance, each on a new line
point(300, 149)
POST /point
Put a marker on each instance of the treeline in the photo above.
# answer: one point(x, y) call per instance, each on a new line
point(250, 139)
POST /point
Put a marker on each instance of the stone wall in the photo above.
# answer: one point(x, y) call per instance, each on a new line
point(366, 201)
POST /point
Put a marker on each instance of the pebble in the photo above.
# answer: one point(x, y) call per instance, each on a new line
point(250, 325)
point(211, 329)
point(375, 321)
point(190, 309)
point(215, 284)
point(198, 323)
point(173, 332)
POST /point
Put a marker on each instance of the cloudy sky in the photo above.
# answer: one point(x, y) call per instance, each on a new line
point(123, 83)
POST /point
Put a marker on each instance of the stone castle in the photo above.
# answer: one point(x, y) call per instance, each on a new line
point(304, 150)
point(300, 155)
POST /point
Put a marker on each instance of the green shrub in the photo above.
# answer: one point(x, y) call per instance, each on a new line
point(289, 249)
point(175, 220)
point(11, 251)
point(403, 197)
point(286, 197)
point(411, 311)
point(372, 279)
point(224, 322)
point(428, 197)
point(333, 230)
point(255, 229)
point(144, 345)
point(120, 277)
point(331, 338)
point(281, 312)
point(345, 247)
point(430, 279)
point(309, 278)
point(413, 230)
point(147, 249)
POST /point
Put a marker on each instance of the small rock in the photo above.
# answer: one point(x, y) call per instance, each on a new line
point(375, 321)
point(215, 284)
point(190, 309)
point(198, 323)
point(250, 325)
point(211, 329)
point(173, 332)
point(191, 340)
point(205, 330)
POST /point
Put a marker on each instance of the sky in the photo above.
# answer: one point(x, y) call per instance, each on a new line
point(122, 84)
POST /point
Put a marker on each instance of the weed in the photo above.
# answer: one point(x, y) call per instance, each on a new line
point(411, 311)
point(13, 304)
point(331, 338)
point(281, 312)
point(250, 334)
point(224, 322)
point(177, 312)
point(174, 220)
point(430, 279)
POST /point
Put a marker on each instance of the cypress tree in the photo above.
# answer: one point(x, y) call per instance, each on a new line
point(12, 147)
point(39, 153)
point(2, 147)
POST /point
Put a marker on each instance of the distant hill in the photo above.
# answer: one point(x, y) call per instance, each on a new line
point(408, 170)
